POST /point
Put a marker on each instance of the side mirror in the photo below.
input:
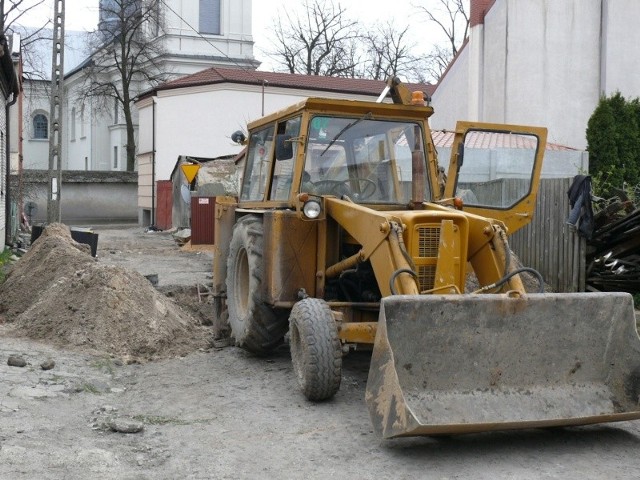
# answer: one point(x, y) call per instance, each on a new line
point(238, 137)
point(284, 147)
point(460, 155)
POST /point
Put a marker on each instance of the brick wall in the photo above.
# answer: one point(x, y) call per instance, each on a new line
point(479, 9)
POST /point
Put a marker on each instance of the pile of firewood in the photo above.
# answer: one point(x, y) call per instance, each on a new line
point(613, 252)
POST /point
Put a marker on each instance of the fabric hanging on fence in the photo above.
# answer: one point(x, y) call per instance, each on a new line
point(581, 213)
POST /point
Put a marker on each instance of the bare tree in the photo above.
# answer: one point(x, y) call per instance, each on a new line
point(323, 40)
point(452, 19)
point(13, 12)
point(387, 53)
point(126, 59)
point(436, 62)
point(320, 41)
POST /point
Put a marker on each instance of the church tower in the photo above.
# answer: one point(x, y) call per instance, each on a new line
point(199, 34)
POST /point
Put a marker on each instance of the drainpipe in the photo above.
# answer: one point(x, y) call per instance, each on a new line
point(7, 190)
point(263, 84)
point(604, 19)
point(15, 90)
point(153, 161)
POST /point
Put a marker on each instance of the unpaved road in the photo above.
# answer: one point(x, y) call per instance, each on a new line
point(223, 414)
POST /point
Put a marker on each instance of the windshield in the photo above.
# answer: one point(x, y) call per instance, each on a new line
point(370, 161)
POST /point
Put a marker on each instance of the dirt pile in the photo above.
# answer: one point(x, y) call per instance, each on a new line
point(57, 292)
point(53, 255)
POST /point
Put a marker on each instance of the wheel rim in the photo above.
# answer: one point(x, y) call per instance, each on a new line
point(242, 283)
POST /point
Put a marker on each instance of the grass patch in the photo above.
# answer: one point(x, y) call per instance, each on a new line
point(5, 255)
point(88, 388)
point(106, 364)
point(160, 420)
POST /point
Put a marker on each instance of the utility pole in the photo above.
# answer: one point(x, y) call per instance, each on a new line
point(55, 129)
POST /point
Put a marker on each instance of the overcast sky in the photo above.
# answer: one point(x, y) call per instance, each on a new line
point(83, 15)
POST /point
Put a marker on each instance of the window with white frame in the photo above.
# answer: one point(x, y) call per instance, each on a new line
point(72, 121)
point(210, 17)
point(82, 132)
point(115, 157)
point(40, 126)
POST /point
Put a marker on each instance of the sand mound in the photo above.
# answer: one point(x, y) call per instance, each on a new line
point(57, 292)
point(52, 256)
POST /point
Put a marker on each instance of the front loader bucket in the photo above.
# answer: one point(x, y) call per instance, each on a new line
point(471, 363)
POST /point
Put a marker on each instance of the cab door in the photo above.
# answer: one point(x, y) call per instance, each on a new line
point(495, 170)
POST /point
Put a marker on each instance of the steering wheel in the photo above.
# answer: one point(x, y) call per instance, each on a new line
point(330, 187)
point(366, 187)
point(343, 187)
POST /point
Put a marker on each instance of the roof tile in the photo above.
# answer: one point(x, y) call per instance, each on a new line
point(215, 75)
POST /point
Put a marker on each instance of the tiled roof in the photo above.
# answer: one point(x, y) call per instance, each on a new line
point(215, 75)
point(444, 138)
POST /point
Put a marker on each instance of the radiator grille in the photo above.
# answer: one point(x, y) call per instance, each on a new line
point(426, 277)
point(426, 257)
point(428, 241)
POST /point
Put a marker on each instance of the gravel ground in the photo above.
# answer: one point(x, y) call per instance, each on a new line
point(223, 414)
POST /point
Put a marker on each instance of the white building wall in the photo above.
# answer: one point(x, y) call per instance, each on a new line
point(77, 134)
point(3, 172)
point(36, 100)
point(118, 143)
point(199, 121)
point(101, 142)
point(188, 52)
point(621, 63)
point(447, 111)
point(235, 40)
point(541, 63)
point(146, 119)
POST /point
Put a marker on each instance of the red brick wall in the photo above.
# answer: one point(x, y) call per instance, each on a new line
point(479, 8)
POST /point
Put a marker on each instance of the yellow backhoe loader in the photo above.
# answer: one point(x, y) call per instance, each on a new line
point(349, 232)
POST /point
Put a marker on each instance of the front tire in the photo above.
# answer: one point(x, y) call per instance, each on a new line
point(316, 352)
point(255, 326)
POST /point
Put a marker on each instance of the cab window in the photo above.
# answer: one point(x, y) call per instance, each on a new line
point(369, 161)
point(254, 182)
point(288, 133)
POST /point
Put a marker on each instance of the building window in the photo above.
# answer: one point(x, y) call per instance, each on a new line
point(115, 157)
point(115, 111)
point(82, 133)
point(40, 126)
point(73, 123)
point(210, 16)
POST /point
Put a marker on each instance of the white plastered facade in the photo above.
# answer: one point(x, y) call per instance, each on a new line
point(543, 63)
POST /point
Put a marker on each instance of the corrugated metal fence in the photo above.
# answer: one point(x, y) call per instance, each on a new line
point(548, 244)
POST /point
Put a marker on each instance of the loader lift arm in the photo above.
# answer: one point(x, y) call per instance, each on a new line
point(378, 235)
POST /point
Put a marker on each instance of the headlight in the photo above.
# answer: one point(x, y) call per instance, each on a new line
point(311, 209)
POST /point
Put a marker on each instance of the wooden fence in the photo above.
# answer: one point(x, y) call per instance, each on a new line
point(548, 244)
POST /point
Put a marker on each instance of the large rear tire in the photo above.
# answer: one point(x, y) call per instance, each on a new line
point(316, 352)
point(255, 326)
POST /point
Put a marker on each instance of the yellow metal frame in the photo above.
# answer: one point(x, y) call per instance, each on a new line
point(520, 214)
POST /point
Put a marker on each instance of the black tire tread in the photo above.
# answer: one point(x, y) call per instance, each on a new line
point(264, 327)
point(317, 360)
